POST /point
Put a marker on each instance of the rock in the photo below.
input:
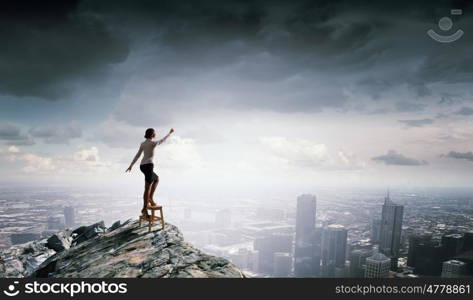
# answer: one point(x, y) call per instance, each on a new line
point(85, 233)
point(114, 226)
point(124, 250)
point(59, 242)
point(79, 230)
point(131, 251)
point(22, 260)
point(33, 262)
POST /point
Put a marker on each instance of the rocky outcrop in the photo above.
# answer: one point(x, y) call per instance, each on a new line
point(22, 260)
point(60, 241)
point(123, 250)
point(85, 233)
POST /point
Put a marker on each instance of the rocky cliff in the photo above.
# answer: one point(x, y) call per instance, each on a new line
point(123, 250)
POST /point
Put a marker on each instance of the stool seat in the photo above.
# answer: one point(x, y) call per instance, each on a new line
point(154, 207)
point(152, 218)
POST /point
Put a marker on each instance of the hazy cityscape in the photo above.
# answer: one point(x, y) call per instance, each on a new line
point(324, 233)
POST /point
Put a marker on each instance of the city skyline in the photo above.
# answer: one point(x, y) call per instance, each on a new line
point(436, 237)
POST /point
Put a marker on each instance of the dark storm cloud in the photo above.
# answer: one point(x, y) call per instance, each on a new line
point(460, 155)
point(395, 158)
point(48, 49)
point(416, 123)
point(12, 135)
point(372, 46)
point(303, 33)
point(56, 134)
point(257, 44)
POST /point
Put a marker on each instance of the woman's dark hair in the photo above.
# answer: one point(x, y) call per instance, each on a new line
point(149, 133)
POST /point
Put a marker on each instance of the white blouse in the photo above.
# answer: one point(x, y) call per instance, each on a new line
point(147, 148)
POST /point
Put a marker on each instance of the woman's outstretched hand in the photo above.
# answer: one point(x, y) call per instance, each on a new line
point(128, 170)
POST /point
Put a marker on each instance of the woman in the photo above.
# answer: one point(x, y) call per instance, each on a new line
point(146, 166)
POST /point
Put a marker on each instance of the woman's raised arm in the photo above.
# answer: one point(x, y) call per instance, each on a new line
point(164, 138)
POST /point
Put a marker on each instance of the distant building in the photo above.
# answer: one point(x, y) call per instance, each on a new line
point(266, 248)
point(24, 237)
point(334, 247)
point(305, 218)
point(452, 244)
point(225, 237)
point(391, 227)
point(377, 266)
point(55, 223)
point(358, 262)
point(414, 241)
point(317, 237)
point(468, 241)
point(282, 264)
point(270, 213)
point(245, 259)
point(303, 246)
point(428, 258)
point(453, 269)
point(70, 216)
point(375, 228)
point(341, 272)
point(223, 218)
point(467, 258)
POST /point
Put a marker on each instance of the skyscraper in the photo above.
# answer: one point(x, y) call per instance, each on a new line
point(414, 241)
point(267, 246)
point(334, 246)
point(468, 241)
point(305, 218)
point(282, 264)
point(245, 259)
point(428, 258)
point(377, 266)
point(452, 245)
point(55, 223)
point(391, 227)
point(305, 225)
point(69, 216)
point(316, 250)
point(453, 269)
point(375, 228)
point(358, 262)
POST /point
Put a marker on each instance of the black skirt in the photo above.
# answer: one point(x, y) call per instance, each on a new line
point(150, 176)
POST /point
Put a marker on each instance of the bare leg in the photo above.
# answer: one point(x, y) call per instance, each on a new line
point(145, 199)
point(154, 185)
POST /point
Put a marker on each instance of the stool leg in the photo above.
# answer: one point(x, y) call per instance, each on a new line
point(162, 218)
point(151, 221)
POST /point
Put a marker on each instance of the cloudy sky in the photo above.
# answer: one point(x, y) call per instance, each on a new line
point(262, 94)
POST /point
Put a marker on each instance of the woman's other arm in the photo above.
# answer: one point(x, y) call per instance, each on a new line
point(164, 138)
point(138, 154)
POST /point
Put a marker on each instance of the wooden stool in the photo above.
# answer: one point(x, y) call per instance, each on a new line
point(151, 219)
